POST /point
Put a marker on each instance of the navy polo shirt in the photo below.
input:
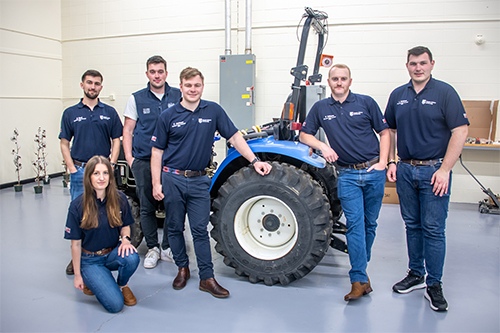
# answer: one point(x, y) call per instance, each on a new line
point(349, 126)
point(186, 137)
point(92, 130)
point(103, 236)
point(149, 108)
point(424, 121)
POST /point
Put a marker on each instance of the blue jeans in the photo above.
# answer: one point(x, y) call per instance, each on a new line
point(76, 182)
point(425, 217)
point(188, 195)
point(144, 190)
point(96, 274)
point(360, 195)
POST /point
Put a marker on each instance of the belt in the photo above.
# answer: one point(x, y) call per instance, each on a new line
point(360, 166)
point(79, 163)
point(100, 252)
point(185, 173)
point(422, 163)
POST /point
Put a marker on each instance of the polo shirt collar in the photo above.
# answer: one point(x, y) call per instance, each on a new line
point(179, 108)
point(429, 84)
point(350, 99)
point(99, 103)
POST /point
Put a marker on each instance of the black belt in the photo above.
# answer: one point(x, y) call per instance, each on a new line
point(360, 166)
point(79, 163)
point(100, 252)
point(185, 173)
point(422, 162)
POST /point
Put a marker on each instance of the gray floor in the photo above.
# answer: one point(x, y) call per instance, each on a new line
point(37, 296)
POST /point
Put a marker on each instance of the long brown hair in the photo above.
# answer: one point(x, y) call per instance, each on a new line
point(90, 211)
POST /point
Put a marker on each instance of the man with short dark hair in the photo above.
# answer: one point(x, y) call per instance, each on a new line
point(351, 122)
point(141, 114)
point(182, 147)
point(431, 125)
point(95, 128)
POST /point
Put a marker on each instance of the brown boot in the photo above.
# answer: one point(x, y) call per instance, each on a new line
point(181, 279)
point(87, 291)
point(128, 297)
point(358, 290)
point(211, 286)
point(69, 268)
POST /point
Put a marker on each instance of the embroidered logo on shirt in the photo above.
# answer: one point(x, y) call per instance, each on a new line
point(104, 117)
point(357, 113)
point(77, 119)
point(328, 117)
point(201, 120)
point(178, 124)
point(426, 102)
point(68, 230)
point(465, 115)
point(146, 111)
point(170, 105)
point(153, 138)
point(402, 102)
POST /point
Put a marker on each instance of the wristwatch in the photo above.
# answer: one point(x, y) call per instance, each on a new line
point(127, 238)
point(255, 160)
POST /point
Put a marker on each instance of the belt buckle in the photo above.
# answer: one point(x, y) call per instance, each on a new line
point(186, 172)
point(99, 253)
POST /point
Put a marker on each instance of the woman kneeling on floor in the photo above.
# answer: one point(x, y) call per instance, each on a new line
point(98, 226)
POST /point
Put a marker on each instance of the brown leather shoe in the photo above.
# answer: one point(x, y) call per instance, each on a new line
point(69, 268)
point(211, 286)
point(181, 279)
point(358, 290)
point(87, 291)
point(128, 297)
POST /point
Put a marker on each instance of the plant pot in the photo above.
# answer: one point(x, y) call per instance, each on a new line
point(38, 189)
point(18, 188)
point(46, 180)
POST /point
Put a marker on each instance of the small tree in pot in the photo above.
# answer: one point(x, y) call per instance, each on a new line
point(39, 164)
point(17, 160)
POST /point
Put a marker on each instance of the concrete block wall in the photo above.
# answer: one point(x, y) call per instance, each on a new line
point(372, 37)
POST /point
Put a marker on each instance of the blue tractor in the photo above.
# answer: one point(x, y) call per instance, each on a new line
point(277, 228)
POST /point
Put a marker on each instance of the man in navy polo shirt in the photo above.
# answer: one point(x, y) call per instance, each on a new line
point(350, 122)
point(141, 113)
point(95, 129)
point(182, 147)
point(431, 125)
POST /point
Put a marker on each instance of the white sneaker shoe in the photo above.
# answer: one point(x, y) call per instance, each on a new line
point(166, 255)
point(152, 258)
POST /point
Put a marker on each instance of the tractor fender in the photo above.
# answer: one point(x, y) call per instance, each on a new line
point(294, 149)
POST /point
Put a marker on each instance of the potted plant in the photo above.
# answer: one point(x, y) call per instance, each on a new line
point(17, 160)
point(39, 163)
point(45, 175)
point(65, 174)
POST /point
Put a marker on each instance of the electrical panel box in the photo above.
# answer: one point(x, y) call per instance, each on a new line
point(308, 96)
point(237, 88)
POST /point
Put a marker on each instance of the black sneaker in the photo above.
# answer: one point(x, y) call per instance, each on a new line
point(434, 295)
point(409, 283)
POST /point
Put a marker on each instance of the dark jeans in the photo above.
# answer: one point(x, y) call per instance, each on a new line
point(425, 217)
point(144, 190)
point(360, 195)
point(96, 274)
point(188, 195)
point(76, 182)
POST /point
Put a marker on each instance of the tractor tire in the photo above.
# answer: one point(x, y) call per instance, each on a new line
point(327, 177)
point(274, 228)
point(135, 229)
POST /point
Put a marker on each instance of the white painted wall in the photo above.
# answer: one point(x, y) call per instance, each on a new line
point(372, 37)
point(30, 82)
